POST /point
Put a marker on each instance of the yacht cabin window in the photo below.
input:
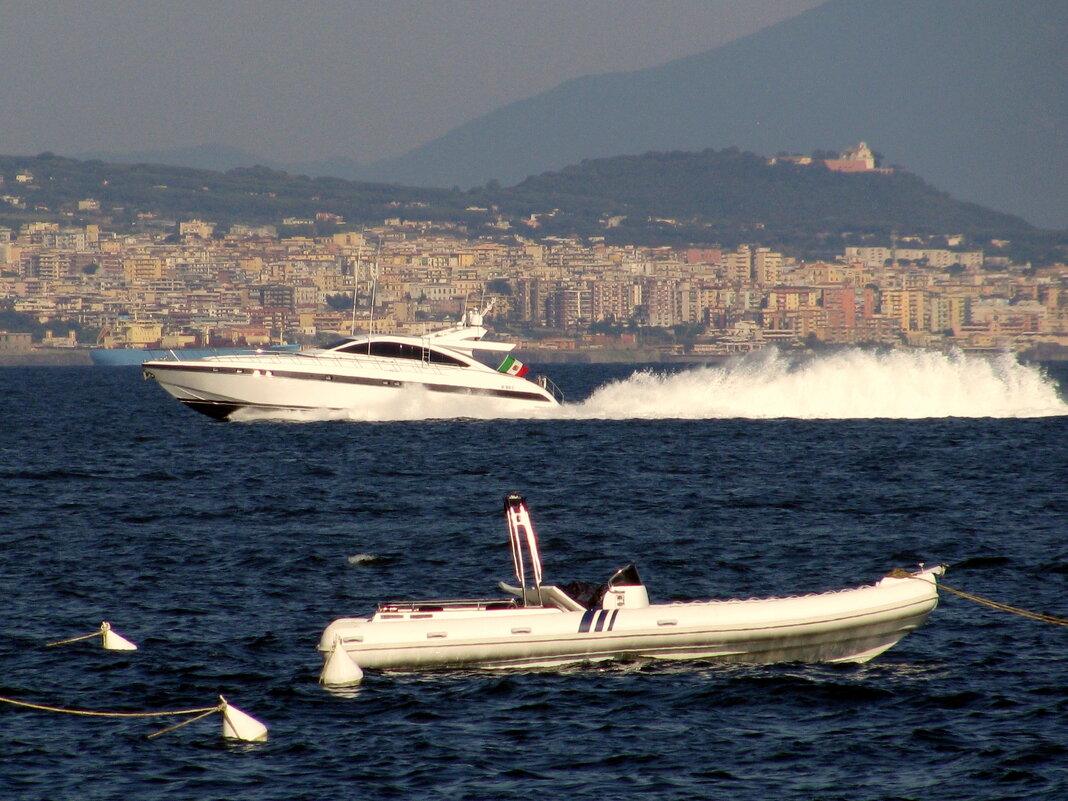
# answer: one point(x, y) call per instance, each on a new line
point(399, 350)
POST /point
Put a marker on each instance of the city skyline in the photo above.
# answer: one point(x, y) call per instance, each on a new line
point(252, 286)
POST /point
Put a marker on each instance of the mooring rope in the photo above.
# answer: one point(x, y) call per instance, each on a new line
point(185, 722)
point(90, 713)
point(899, 572)
point(1056, 621)
point(73, 639)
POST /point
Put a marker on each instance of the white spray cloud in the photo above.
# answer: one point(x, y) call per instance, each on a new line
point(850, 384)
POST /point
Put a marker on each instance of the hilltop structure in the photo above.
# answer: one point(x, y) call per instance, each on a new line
point(852, 159)
point(856, 159)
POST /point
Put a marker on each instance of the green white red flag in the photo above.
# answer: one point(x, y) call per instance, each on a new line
point(513, 366)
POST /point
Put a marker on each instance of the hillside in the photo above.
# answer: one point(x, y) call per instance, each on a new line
point(219, 157)
point(254, 194)
point(711, 197)
point(971, 94)
point(730, 196)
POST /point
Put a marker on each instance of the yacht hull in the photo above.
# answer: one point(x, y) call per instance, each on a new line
point(219, 387)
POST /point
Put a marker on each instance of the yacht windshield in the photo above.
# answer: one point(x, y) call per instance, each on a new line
point(625, 577)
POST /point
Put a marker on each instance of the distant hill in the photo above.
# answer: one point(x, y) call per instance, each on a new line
point(732, 196)
point(211, 156)
point(128, 192)
point(219, 157)
point(971, 94)
point(711, 197)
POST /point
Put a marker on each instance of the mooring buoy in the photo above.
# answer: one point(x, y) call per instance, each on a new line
point(340, 669)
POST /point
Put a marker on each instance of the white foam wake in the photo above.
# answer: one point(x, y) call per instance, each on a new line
point(848, 384)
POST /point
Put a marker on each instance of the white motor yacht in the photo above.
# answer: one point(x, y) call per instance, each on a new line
point(545, 625)
point(354, 372)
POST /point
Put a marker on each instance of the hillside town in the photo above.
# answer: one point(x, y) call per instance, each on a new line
point(186, 284)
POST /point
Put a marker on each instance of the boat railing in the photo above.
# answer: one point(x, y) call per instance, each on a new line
point(549, 386)
point(452, 604)
point(177, 354)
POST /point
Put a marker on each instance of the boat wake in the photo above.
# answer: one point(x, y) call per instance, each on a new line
point(848, 384)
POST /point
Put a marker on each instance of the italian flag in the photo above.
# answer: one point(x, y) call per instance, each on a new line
point(513, 366)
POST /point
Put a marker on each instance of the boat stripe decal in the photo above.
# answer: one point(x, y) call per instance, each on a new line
point(587, 619)
point(598, 620)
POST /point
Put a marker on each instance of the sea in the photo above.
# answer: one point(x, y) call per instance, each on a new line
point(223, 550)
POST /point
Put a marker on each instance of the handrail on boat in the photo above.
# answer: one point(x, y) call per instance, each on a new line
point(446, 605)
point(549, 386)
point(177, 354)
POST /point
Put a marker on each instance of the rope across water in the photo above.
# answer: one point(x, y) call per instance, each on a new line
point(91, 713)
point(1056, 621)
point(199, 713)
point(1015, 610)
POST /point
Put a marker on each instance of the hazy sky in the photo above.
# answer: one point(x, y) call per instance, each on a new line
point(286, 80)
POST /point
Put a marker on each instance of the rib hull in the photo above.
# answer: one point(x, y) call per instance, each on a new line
point(852, 625)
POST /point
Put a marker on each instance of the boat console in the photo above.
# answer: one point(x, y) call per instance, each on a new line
point(625, 590)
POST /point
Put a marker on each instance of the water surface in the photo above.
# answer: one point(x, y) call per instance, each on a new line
point(223, 549)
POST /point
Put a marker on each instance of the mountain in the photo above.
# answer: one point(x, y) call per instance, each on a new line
point(971, 94)
point(219, 157)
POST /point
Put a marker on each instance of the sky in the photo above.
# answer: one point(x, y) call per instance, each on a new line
point(317, 79)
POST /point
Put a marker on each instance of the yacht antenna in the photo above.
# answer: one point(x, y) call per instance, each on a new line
point(374, 291)
point(355, 290)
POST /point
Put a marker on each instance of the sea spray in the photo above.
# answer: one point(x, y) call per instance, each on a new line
point(847, 384)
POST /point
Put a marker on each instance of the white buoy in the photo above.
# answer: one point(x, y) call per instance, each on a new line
point(340, 669)
point(113, 641)
point(238, 725)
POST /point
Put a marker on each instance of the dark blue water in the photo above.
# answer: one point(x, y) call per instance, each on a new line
point(223, 550)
